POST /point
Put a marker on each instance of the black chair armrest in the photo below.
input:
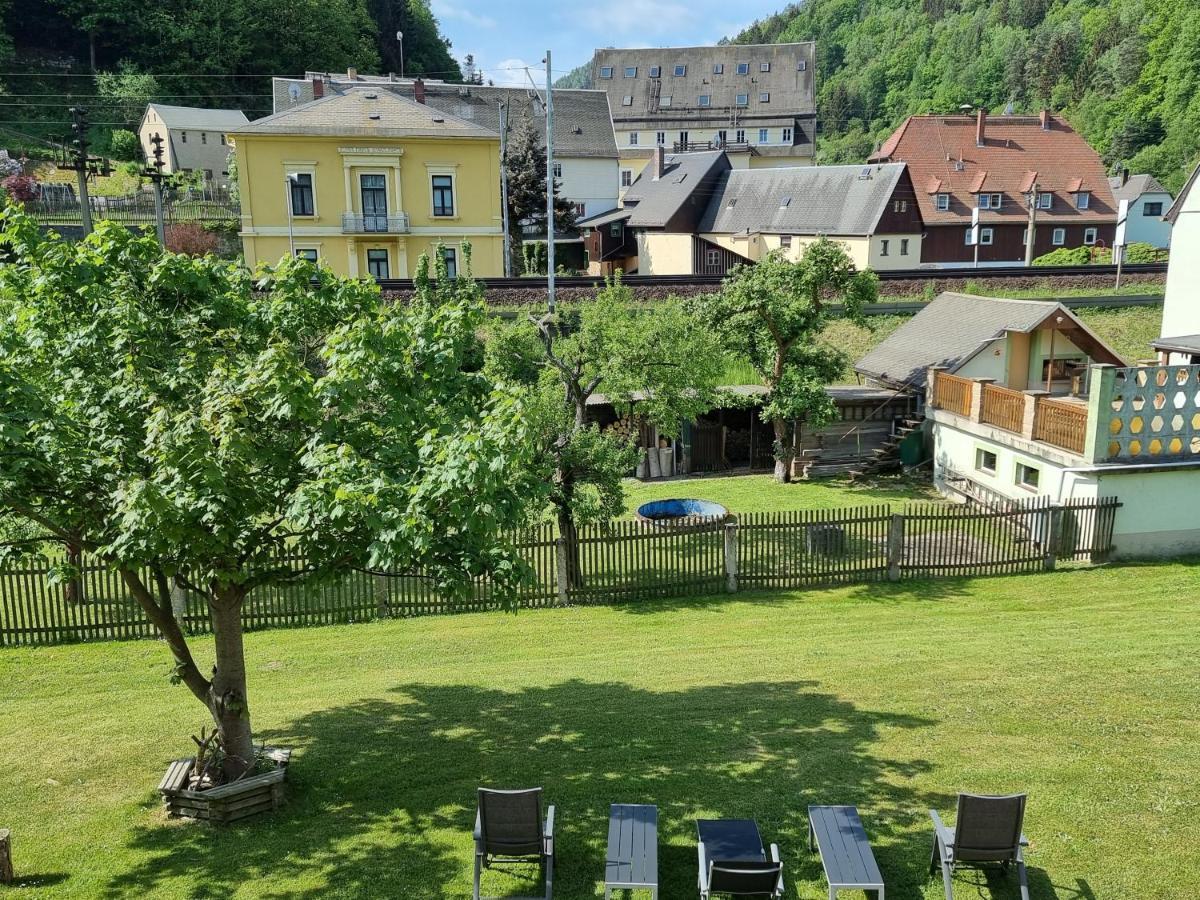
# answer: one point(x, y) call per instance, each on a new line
point(548, 830)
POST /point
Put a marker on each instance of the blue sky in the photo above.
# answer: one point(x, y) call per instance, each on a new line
point(506, 37)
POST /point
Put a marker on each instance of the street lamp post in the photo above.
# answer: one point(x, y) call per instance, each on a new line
point(290, 180)
point(400, 40)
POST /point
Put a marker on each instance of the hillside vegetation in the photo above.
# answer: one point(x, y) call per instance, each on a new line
point(1126, 73)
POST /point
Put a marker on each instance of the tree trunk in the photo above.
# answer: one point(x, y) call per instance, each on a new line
point(783, 452)
point(227, 696)
point(570, 536)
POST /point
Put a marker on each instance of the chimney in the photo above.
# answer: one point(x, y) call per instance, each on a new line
point(318, 84)
point(1124, 176)
point(980, 126)
point(1045, 119)
point(660, 161)
point(351, 73)
point(419, 90)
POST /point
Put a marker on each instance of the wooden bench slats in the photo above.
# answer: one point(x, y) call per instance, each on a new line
point(845, 849)
point(632, 846)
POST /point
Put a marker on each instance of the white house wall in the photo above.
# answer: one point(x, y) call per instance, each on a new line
point(592, 182)
point(1141, 228)
point(1157, 517)
point(1181, 309)
point(664, 254)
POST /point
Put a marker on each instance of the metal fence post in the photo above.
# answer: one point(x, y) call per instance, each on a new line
point(895, 546)
point(731, 557)
point(560, 570)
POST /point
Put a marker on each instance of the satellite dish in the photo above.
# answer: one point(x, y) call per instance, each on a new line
point(294, 91)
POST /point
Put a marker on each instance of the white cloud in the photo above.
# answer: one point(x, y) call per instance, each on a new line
point(511, 72)
point(444, 10)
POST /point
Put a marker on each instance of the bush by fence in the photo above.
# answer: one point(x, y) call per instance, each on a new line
point(620, 561)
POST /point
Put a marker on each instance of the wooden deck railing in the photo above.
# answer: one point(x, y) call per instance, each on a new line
point(1061, 423)
point(1002, 407)
point(953, 393)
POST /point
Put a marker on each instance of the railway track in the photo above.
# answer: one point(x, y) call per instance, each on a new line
point(635, 281)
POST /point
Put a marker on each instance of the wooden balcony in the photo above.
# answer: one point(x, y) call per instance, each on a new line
point(1033, 415)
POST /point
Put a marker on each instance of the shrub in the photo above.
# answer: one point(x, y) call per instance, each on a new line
point(20, 187)
point(1065, 256)
point(125, 145)
point(191, 238)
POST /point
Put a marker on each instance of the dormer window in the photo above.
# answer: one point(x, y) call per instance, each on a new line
point(1083, 200)
point(1045, 201)
point(942, 202)
point(989, 201)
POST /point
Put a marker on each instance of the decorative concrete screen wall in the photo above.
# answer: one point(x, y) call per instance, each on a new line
point(1154, 413)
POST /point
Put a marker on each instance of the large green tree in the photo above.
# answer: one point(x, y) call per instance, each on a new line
point(184, 418)
point(654, 362)
point(525, 166)
point(772, 313)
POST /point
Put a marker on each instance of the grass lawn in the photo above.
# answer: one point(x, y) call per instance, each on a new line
point(760, 493)
point(1079, 687)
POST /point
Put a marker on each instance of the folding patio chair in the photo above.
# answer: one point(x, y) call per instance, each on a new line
point(509, 829)
point(987, 830)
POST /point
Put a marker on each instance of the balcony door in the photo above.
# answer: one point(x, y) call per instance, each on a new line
point(374, 202)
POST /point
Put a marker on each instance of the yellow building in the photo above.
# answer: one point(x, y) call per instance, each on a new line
point(367, 181)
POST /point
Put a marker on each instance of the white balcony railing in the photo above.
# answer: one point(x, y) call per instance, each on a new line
point(394, 223)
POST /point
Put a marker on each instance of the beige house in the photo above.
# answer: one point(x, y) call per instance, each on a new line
point(193, 139)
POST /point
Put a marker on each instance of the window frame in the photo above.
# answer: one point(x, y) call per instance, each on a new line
point(1093, 233)
point(311, 187)
point(705, 100)
point(664, 102)
point(660, 138)
point(680, 70)
point(712, 256)
point(1058, 237)
point(743, 68)
point(616, 229)
point(556, 169)
point(435, 189)
point(741, 100)
point(1083, 199)
point(764, 96)
point(904, 246)
point(1157, 211)
point(655, 72)
point(387, 262)
point(1020, 479)
point(627, 100)
point(801, 65)
point(787, 134)
point(764, 67)
point(630, 72)
point(739, 136)
point(883, 246)
point(633, 139)
point(764, 135)
point(718, 68)
point(608, 69)
point(1045, 200)
point(987, 236)
point(626, 178)
point(302, 253)
point(450, 255)
point(981, 454)
point(785, 242)
point(941, 202)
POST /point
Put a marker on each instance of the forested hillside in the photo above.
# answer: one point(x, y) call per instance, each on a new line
point(1126, 73)
point(217, 53)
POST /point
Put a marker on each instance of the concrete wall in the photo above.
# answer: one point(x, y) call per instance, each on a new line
point(1157, 517)
point(336, 164)
point(955, 448)
point(664, 254)
point(894, 259)
point(1181, 309)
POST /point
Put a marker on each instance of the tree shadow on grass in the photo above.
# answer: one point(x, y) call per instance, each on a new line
point(383, 789)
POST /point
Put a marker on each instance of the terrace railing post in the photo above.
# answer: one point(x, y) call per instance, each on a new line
point(978, 389)
point(731, 557)
point(1029, 418)
point(561, 580)
point(1101, 381)
point(895, 546)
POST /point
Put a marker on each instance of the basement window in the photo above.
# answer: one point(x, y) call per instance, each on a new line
point(1027, 477)
point(985, 461)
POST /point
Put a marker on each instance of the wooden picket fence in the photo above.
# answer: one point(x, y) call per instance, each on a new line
point(619, 561)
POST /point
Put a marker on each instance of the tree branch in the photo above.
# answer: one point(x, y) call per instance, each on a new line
point(185, 665)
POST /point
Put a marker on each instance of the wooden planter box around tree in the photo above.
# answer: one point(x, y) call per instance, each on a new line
point(227, 802)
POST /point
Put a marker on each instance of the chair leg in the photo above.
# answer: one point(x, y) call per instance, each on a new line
point(947, 879)
point(935, 856)
point(478, 871)
point(1021, 878)
point(550, 877)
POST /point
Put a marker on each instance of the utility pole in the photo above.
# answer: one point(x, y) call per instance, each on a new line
point(82, 164)
point(154, 171)
point(400, 40)
point(1031, 200)
point(550, 302)
point(504, 187)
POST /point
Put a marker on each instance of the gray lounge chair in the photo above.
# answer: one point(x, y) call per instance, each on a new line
point(987, 830)
point(509, 829)
point(732, 861)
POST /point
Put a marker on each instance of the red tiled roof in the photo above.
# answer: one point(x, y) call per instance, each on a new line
point(1017, 153)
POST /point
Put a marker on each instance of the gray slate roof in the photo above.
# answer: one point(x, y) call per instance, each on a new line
point(366, 112)
point(658, 201)
point(582, 126)
point(947, 332)
point(199, 119)
point(1135, 187)
point(833, 200)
